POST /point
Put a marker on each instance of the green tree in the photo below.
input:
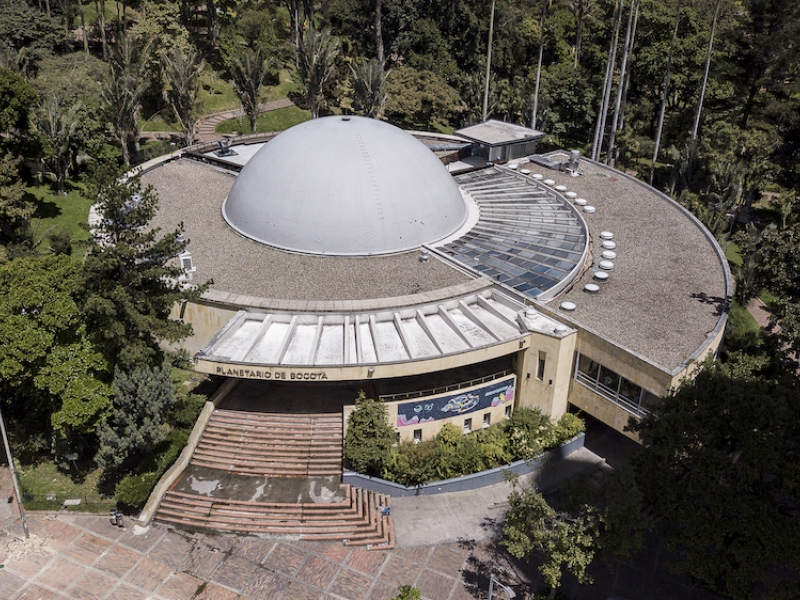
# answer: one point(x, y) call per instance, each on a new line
point(182, 70)
point(131, 278)
point(122, 93)
point(369, 436)
point(58, 123)
point(316, 64)
point(28, 35)
point(566, 543)
point(250, 69)
point(16, 99)
point(419, 99)
point(52, 377)
point(717, 466)
point(15, 210)
point(142, 399)
point(369, 87)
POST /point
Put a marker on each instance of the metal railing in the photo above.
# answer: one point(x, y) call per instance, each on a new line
point(444, 389)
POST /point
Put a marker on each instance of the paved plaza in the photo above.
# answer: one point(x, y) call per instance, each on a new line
point(445, 549)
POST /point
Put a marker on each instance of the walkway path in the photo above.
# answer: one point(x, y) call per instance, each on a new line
point(204, 130)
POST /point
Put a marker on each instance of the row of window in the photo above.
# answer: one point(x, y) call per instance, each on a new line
point(615, 388)
point(467, 426)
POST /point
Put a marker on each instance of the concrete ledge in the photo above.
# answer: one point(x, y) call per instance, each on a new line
point(467, 482)
point(172, 474)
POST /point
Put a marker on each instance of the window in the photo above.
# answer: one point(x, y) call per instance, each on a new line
point(487, 419)
point(467, 425)
point(609, 379)
point(589, 368)
point(508, 412)
point(540, 368)
point(417, 436)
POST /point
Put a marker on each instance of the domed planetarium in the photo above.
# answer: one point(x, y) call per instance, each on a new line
point(423, 268)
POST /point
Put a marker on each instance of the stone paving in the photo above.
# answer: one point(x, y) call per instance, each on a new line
point(86, 558)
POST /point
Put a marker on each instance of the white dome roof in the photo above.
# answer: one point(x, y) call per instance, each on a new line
point(345, 186)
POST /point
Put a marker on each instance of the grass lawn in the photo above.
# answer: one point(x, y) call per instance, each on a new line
point(275, 120)
point(286, 86)
point(733, 253)
point(156, 123)
point(43, 481)
point(70, 213)
point(215, 94)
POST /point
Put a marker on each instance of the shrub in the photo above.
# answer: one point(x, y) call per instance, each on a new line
point(369, 436)
point(529, 433)
point(569, 425)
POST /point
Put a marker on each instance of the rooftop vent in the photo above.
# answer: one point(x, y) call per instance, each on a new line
point(568, 306)
point(561, 329)
point(606, 265)
point(424, 256)
point(589, 209)
point(609, 245)
point(609, 254)
point(606, 235)
point(187, 264)
point(549, 182)
point(601, 276)
point(571, 195)
point(592, 288)
point(581, 201)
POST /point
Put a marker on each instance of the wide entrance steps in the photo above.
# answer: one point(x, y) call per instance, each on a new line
point(272, 444)
point(361, 520)
point(274, 447)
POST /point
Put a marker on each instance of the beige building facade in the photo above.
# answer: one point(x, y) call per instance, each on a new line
point(523, 299)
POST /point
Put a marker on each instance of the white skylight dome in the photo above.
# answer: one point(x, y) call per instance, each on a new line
point(345, 186)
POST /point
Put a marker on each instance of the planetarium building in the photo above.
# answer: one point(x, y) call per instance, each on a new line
point(455, 277)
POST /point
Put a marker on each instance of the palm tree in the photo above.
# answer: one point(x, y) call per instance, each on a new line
point(122, 93)
point(250, 69)
point(316, 62)
point(369, 87)
point(182, 70)
point(58, 123)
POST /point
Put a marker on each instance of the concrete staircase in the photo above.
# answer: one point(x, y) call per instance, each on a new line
point(271, 444)
point(279, 445)
point(357, 521)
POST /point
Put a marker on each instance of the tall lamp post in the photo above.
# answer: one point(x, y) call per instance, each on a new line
point(14, 476)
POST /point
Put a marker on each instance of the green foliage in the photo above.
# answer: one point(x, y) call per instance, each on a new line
point(406, 592)
point(181, 71)
point(714, 466)
point(15, 209)
point(419, 99)
point(250, 70)
point(27, 35)
point(274, 120)
point(52, 377)
point(568, 426)
point(142, 399)
point(131, 281)
point(16, 99)
point(453, 454)
point(134, 490)
point(529, 433)
point(369, 87)
point(316, 65)
point(565, 542)
point(369, 436)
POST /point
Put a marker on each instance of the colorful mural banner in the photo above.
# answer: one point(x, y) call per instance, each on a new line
point(424, 410)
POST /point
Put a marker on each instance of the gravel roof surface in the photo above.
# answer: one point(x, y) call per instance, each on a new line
point(663, 297)
point(193, 193)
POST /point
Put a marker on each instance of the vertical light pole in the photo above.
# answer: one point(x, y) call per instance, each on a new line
point(13, 476)
point(488, 65)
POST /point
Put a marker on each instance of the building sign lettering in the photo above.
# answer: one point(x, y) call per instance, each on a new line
point(276, 375)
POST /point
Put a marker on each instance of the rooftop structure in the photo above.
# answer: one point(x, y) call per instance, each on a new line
point(345, 252)
point(344, 186)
